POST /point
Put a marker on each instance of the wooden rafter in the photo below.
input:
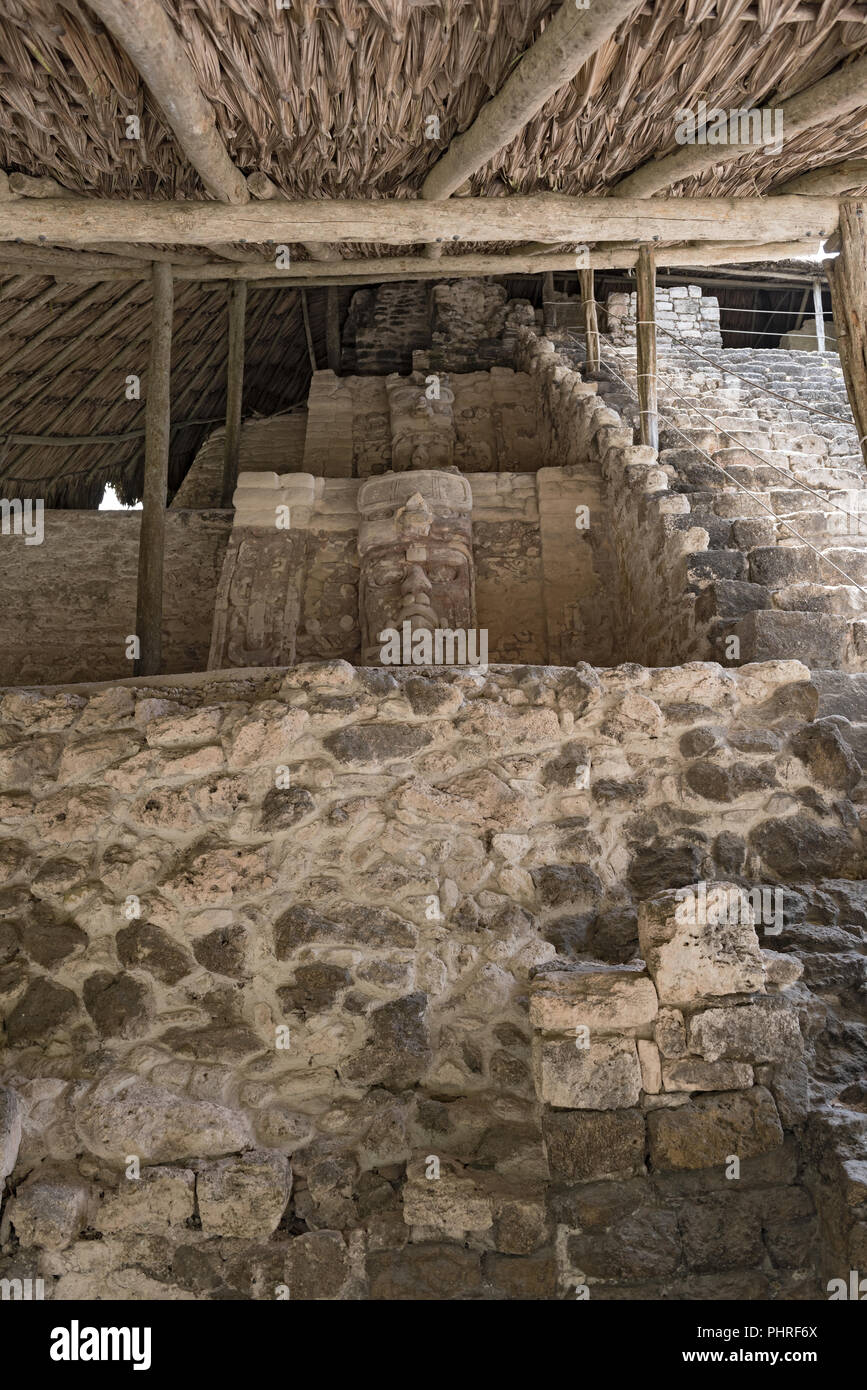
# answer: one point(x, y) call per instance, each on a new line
point(829, 181)
point(153, 45)
point(568, 41)
point(835, 96)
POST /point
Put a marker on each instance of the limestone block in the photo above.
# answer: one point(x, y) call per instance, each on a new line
point(50, 1208)
point(604, 1076)
point(694, 1074)
point(690, 961)
point(131, 1117)
point(605, 999)
point(451, 1204)
point(246, 1195)
point(317, 1266)
point(759, 1032)
point(781, 969)
point(669, 1032)
point(651, 1074)
point(704, 1133)
point(161, 1200)
point(583, 1146)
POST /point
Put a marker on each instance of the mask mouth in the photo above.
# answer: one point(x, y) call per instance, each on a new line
point(420, 616)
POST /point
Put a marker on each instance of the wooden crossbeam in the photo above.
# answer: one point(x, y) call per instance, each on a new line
point(265, 275)
point(553, 217)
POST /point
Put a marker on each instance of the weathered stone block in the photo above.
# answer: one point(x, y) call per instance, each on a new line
point(244, 1196)
point(816, 638)
point(431, 1270)
point(452, 1203)
point(669, 1032)
point(49, 1209)
point(643, 1245)
point(721, 1233)
point(694, 1074)
point(651, 1073)
point(161, 1200)
point(762, 1032)
point(604, 1076)
point(317, 1266)
point(585, 1145)
point(603, 998)
point(157, 1125)
point(692, 954)
point(706, 1132)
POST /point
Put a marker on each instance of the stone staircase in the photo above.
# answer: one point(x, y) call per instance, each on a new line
point(785, 569)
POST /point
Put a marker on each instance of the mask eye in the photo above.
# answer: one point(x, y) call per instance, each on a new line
point(386, 572)
point(442, 574)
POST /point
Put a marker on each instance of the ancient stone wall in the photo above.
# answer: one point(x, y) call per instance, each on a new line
point(546, 591)
point(681, 312)
point(298, 969)
point(276, 441)
point(70, 602)
point(778, 486)
point(481, 422)
point(450, 326)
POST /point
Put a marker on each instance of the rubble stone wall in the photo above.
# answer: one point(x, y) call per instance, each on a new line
point(293, 965)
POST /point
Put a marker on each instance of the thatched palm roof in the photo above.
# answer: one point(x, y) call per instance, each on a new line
point(329, 98)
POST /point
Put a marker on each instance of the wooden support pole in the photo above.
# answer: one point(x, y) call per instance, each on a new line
point(548, 299)
point(820, 315)
point(234, 388)
point(305, 314)
point(645, 342)
point(332, 328)
point(151, 550)
point(848, 277)
point(591, 322)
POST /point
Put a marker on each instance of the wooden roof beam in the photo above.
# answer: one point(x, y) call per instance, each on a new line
point(828, 181)
point(156, 50)
point(553, 217)
point(146, 34)
point(568, 41)
point(844, 90)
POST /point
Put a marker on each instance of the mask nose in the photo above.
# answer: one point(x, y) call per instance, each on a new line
point(416, 584)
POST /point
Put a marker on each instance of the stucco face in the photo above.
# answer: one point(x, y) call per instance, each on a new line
point(415, 546)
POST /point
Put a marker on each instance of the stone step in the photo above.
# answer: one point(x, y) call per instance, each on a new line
point(775, 635)
point(842, 693)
